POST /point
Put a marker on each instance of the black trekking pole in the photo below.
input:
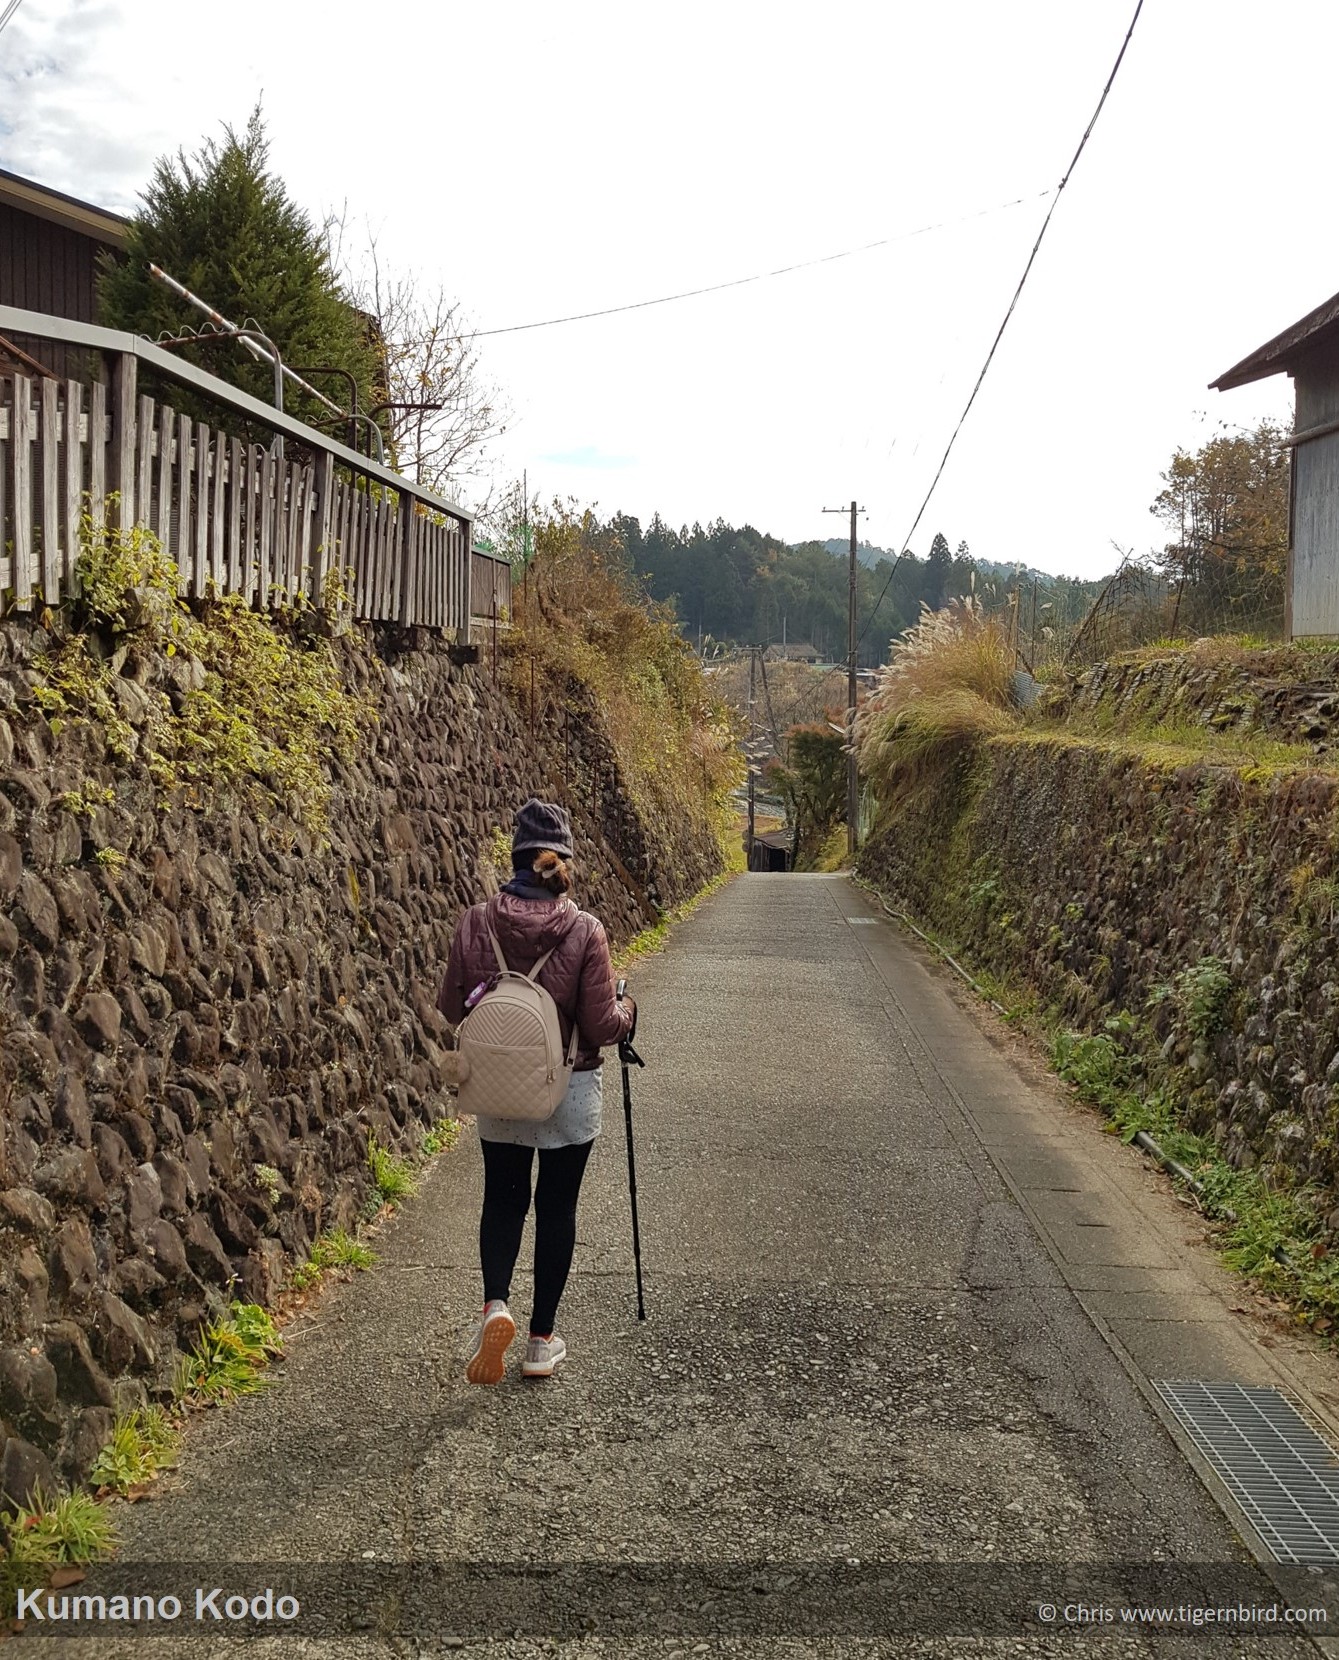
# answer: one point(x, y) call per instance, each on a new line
point(628, 1056)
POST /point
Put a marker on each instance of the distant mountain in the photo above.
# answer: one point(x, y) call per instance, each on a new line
point(865, 554)
point(997, 571)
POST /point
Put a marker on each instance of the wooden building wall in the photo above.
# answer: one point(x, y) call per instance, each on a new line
point(46, 267)
point(1314, 556)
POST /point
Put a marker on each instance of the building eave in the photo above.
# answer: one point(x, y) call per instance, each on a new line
point(59, 209)
point(1280, 355)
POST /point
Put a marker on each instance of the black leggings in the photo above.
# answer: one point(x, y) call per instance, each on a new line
point(506, 1203)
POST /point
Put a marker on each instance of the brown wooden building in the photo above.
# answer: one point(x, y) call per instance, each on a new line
point(1309, 353)
point(49, 248)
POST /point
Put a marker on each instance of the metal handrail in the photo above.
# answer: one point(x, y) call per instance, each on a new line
point(15, 320)
point(203, 337)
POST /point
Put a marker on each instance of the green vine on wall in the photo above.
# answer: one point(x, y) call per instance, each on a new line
point(219, 702)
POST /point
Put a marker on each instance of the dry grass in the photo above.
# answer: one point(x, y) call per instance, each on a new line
point(949, 684)
point(580, 617)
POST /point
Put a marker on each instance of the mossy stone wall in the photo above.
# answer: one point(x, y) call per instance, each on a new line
point(205, 1013)
point(1096, 876)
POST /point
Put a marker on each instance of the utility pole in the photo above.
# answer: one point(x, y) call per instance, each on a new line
point(767, 700)
point(852, 771)
point(753, 669)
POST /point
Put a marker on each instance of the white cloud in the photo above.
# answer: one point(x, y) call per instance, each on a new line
point(542, 163)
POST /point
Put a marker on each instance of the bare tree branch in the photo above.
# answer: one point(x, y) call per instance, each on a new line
point(430, 359)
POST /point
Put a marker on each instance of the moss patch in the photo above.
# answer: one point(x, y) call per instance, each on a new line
point(227, 704)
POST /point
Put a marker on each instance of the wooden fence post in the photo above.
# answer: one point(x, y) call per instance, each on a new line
point(74, 479)
point(48, 446)
point(148, 416)
point(21, 491)
point(185, 512)
point(167, 426)
point(467, 542)
point(201, 570)
point(97, 454)
point(234, 565)
point(410, 610)
point(217, 554)
point(323, 528)
point(267, 517)
point(125, 371)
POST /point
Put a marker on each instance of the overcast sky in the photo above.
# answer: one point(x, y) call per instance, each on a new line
point(542, 160)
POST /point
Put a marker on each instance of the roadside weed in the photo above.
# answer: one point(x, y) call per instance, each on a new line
point(444, 1134)
point(143, 1443)
point(228, 1358)
point(334, 1250)
point(49, 1530)
point(392, 1176)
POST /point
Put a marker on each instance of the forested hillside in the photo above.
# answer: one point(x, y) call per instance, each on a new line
point(740, 584)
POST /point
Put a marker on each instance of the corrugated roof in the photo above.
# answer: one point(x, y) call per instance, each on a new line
point(60, 209)
point(1284, 349)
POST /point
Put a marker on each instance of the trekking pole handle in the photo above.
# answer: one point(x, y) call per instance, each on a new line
point(627, 1055)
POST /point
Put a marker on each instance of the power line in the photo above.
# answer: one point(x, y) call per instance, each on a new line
point(760, 276)
point(990, 355)
point(9, 11)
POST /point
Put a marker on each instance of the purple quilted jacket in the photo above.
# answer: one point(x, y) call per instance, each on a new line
point(578, 976)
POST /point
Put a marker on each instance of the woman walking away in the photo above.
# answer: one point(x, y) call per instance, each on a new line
point(532, 917)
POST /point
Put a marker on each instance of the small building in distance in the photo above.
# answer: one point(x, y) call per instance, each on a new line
point(50, 245)
point(772, 850)
point(1309, 352)
point(797, 651)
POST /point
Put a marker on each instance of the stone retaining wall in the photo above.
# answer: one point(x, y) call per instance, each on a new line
point(199, 1032)
point(1105, 880)
point(1288, 692)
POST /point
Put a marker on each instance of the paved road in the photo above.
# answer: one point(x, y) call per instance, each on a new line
point(875, 1373)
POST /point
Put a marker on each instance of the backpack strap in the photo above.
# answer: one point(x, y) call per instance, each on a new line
point(533, 975)
point(502, 961)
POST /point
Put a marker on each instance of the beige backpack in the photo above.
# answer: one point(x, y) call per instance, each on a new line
point(511, 1048)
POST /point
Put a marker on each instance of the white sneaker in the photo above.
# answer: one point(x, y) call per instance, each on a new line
point(542, 1354)
point(488, 1363)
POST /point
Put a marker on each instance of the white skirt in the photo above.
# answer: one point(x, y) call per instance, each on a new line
point(576, 1119)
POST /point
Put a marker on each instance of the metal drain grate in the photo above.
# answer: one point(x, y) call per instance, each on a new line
point(1277, 1468)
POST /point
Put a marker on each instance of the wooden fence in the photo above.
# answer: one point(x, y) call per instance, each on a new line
point(268, 520)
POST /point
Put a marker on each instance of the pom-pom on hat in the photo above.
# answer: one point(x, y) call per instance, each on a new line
point(542, 826)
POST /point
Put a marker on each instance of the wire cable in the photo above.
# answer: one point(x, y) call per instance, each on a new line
point(9, 11)
point(990, 355)
point(760, 276)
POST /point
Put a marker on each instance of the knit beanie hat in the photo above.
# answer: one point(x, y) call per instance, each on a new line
point(542, 826)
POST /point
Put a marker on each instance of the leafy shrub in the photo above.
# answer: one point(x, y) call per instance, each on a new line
point(1095, 1064)
point(813, 781)
point(1200, 996)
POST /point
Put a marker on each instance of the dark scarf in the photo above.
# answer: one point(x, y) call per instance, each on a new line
point(524, 886)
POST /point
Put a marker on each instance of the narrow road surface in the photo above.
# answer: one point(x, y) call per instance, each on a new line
point(886, 1400)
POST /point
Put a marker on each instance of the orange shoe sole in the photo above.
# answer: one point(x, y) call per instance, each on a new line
point(489, 1365)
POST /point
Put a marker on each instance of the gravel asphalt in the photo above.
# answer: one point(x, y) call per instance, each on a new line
point(866, 1414)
